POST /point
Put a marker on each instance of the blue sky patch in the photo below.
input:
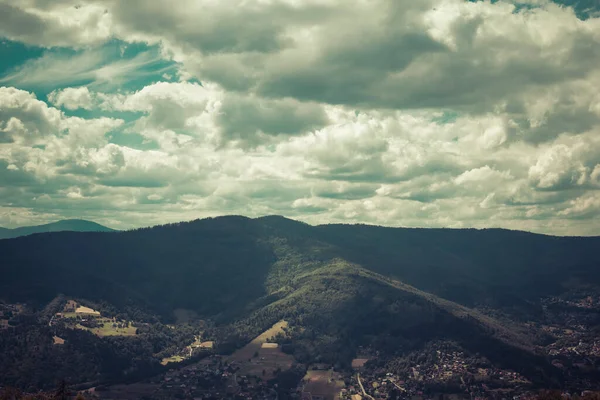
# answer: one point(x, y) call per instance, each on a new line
point(447, 117)
point(114, 67)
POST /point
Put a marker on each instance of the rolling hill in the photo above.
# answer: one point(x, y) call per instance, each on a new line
point(74, 225)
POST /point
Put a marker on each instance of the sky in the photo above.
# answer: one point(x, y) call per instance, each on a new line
point(428, 113)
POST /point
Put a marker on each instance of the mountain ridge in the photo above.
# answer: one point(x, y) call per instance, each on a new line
point(74, 225)
point(339, 286)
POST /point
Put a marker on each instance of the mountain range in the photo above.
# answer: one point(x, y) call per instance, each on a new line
point(74, 225)
point(344, 287)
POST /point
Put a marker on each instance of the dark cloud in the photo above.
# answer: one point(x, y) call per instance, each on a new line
point(245, 118)
point(17, 24)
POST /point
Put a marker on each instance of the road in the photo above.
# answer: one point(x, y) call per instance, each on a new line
point(399, 387)
point(363, 388)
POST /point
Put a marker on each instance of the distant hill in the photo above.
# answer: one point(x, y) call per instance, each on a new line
point(74, 225)
point(345, 286)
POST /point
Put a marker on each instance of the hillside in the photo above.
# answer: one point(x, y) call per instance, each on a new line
point(341, 287)
point(74, 225)
point(225, 265)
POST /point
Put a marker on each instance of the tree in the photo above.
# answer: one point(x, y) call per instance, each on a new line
point(62, 392)
point(550, 395)
point(10, 393)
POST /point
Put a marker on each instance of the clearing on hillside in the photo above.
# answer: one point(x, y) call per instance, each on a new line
point(255, 345)
point(268, 359)
point(111, 327)
point(323, 384)
point(86, 311)
point(358, 363)
point(174, 359)
point(58, 340)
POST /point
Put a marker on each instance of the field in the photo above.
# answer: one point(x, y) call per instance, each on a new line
point(86, 311)
point(107, 328)
point(58, 340)
point(255, 345)
point(263, 362)
point(326, 384)
point(174, 359)
point(358, 363)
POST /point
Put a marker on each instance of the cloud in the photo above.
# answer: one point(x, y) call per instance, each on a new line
point(587, 206)
point(565, 166)
point(206, 112)
point(414, 113)
point(72, 98)
point(248, 119)
point(484, 174)
point(387, 54)
point(68, 23)
point(100, 67)
point(23, 118)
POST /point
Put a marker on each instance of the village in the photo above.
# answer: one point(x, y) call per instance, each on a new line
point(451, 377)
point(252, 372)
point(196, 371)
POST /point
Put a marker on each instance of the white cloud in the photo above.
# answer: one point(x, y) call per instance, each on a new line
point(587, 206)
point(60, 23)
point(567, 165)
point(91, 66)
point(72, 98)
point(19, 104)
point(484, 174)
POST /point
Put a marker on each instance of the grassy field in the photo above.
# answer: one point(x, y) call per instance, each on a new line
point(107, 329)
point(268, 359)
point(326, 384)
point(86, 311)
point(358, 363)
point(251, 348)
point(58, 340)
point(174, 359)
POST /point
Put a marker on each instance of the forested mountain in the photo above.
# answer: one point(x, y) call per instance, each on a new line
point(217, 265)
point(74, 225)
point(342, 286)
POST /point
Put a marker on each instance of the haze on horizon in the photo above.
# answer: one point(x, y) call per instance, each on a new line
point(429, 113)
